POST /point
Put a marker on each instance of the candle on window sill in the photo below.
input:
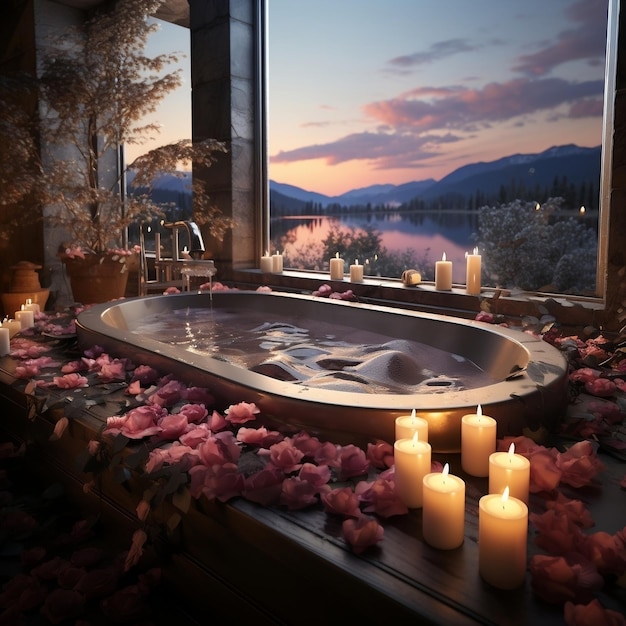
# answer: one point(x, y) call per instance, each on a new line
point(407, 425)
point(443, 510)
point(502, 540)
point(507, 469)
point(411, 463)
point(443, 274)
point(267, 263)
point(5, 341)
point(336, 268)
point(473, 273)
point(356, 272)
point(277, 263)
point(478, 442)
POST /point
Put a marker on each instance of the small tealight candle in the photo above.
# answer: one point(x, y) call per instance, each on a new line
point(443, 274)
point(473, 271)
point(13, 325)
point(502, 540)
point(25, 318)
point(356, 272)
point(507, 469)
point(277, 263)
point(336, 268)
point(478, 441)
point(443, 510)
point(267, 263)
point(411, 464)
point(5, 341)
point(32, 306)
point(408, 425)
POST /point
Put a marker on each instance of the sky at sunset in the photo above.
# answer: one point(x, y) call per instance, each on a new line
point(364, 92)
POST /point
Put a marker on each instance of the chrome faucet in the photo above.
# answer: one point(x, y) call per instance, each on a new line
point(194, 238)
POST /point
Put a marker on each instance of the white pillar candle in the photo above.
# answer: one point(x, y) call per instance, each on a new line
point(5, 341)
point(267, 263)
point(356, 272)
point(443, 510)
point(478, 441)
point(407, 425)
point(411, 464)
point(507, 469)
point(32, 306)
point(277, 263)
point(502, 540)
point(473, 271)
point(443, 274)
point(336, 268)
point(25, 318)
point(13, 325)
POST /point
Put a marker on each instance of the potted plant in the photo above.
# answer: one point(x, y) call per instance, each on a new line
point(95, 87)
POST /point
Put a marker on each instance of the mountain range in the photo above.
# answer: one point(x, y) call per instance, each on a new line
point(564, 163)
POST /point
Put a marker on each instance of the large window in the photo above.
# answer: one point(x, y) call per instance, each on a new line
point(402, 131)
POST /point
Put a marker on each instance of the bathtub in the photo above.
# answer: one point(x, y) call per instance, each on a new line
point(527, 386)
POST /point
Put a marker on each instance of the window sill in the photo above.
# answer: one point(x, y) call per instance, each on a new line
point(568, 311)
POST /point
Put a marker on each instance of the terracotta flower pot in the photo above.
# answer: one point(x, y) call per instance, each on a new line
point(97, 277)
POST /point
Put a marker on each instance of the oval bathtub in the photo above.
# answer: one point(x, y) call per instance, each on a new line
point(527, 385)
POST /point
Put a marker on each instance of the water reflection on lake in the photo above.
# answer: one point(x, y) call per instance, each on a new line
point(426, 234)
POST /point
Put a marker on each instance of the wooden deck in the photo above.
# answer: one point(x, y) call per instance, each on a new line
point(237, 561)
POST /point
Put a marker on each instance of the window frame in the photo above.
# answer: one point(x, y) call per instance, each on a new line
point(599, 300)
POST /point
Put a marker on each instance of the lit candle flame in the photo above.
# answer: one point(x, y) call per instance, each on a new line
point(446, 470)
point(443, 256)
point(415, 437)
point(512, 449)
point(505, 495)
point(479, 411)
point(337, 255)
point(413, 416)
point(582, 210)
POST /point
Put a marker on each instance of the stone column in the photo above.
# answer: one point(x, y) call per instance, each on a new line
point(224, 105)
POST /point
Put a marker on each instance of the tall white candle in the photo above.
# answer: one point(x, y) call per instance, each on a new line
point(407, 425)
point(443, 510)
point(473, 273)
point(507, 469)
point(356, 272)
point(336, 268)
point(267, 263)
point(502, 540)
point(411, 463)
point(478, 441)
point(443, 274)
point(277, 263)
point(5, 341)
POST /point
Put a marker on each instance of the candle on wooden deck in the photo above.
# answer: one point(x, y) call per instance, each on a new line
point(443, 510)
point(507, 469)
point(25, 318)
point(5, 341)
point(443, 274)
point(478, 441)
point(411, 463)
point(32, 306)
point(336, 268)
point(13, 325)
point(407, 425)
point(502, 540)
